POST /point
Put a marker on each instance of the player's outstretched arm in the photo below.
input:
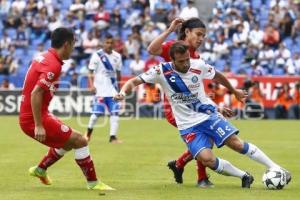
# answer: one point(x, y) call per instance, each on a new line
point(36, 105)
point(128, 87)
point(239, 94)
point(155, 47)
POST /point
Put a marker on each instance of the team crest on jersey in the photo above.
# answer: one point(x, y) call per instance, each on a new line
point(64, 128)
point(157, 70)
point(209, 69)
point(194, 79)
point(50, 75)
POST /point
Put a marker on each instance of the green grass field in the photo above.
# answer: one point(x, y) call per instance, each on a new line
point(137, 168)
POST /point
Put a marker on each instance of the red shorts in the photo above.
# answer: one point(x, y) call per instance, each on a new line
point(168, 112)
point(57, 133)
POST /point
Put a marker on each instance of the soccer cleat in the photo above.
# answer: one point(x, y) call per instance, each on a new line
point(176, 171)
point(41, 174)
point(99, 186)
point(205, 183)
point(287, 175)
point(114, 140)
point(247, 180)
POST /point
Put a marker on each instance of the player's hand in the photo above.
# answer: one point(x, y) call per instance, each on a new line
point(174, 24)
point(39, 133)
point(93, 89)
point(119, 97)
point(226, 112)
point(240, 95)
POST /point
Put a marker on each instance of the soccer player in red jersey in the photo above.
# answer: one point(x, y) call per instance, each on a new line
point(40, 82)
point(192, 32)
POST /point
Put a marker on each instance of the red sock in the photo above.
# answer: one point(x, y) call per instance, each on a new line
point(201, 169)
point(49, 159)
point(87, 167)
point(184, 159)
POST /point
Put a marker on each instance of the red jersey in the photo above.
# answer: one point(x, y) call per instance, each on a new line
point(44, 71)
point(166, 48)
point(165, 54)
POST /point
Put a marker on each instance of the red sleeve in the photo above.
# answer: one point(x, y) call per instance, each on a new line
point(165, 50)
point(48, 76)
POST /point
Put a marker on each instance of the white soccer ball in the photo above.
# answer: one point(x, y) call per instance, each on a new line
point(274, 178)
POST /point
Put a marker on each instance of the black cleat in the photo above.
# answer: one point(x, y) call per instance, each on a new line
point(114, 140)
point(205, 183)
point(247, 180)
point(176, 171)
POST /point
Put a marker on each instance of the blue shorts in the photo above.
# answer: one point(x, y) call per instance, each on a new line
point(216, 128)
point(100, 103)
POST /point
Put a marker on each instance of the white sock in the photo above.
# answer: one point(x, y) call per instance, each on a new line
point(93, 120)
point(82, 153)
point(60, 151)
point(114, 125)
point(226, 168)
point(256, 154)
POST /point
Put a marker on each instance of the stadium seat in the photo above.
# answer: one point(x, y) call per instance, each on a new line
point(235, 65)
point(17, 80)
point(125, 71)
point(20, 52)
point(1, 28)
point(2, 77)
point(66, 4)
point(237, 53)
point(88, 24)
point(219, 64)
point(263, 14)
point(256, 4)
point(295, 48)
point(110, 4)
point(123, 13)
point(278, 71)
point(288, 42)
point(12, 33)
point(83, 81)
point(125, 33)
point(65, 82)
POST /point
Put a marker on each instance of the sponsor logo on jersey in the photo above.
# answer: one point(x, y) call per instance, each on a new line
point(47, 83)
point(172, 79)
point(196, 71)
point(64, 128)
point(214, 124)
point(195, 79)
point(193, 86)
point(184, 98)
point(50, 75)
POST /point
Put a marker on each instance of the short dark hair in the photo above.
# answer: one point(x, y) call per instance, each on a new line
point(178, 47)
point(191, 23)
point(108, 36)
point(61, 35)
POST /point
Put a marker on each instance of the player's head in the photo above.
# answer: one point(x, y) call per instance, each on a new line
point(180, 56)
point(193, 32)
point(108, 44)
point(63, 40)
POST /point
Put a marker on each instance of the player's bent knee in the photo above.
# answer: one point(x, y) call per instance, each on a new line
point(235, 143)
point(207, 158)
point(80, 142)
point(76, 141)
